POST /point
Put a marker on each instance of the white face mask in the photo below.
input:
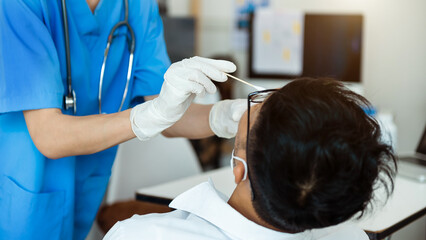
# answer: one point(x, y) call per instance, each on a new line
point(232, 162)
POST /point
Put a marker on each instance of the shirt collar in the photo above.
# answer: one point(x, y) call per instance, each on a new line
point(206, 202)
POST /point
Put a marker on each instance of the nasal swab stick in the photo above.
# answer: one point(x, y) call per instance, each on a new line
point(247, 83)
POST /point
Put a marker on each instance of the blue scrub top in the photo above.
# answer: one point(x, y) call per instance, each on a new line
point(42, 198)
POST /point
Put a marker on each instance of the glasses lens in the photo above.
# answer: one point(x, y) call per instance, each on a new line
point(260, 97)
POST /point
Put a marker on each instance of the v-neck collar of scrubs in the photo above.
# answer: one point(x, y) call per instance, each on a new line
point(86, 21)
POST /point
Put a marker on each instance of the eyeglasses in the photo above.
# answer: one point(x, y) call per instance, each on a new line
point(254, 97)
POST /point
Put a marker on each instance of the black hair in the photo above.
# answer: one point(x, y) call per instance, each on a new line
point(315, 157)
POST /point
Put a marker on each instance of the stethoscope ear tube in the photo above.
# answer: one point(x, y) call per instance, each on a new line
point(130, 66)
point(129, 74)
point(133, 42)
point(101, 77)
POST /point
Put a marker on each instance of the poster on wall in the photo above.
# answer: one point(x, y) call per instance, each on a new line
point(278, 41)
point(243, 9)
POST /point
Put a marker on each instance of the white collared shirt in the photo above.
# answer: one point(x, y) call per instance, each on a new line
point(203, 213)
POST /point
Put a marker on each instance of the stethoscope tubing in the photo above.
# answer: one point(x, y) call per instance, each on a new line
point(70, 99)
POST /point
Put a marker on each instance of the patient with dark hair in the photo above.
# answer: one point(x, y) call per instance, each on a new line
point(306, 161)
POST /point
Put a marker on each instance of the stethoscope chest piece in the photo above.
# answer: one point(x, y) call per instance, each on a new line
point(70, 102)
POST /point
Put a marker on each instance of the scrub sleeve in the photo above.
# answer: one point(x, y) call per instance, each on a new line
point(27, 59)
point(42, 198)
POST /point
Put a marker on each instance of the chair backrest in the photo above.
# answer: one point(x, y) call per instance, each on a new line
point(141, 164)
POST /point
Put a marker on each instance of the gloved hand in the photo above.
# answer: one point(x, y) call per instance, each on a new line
point(225, 116)
point(182, 82)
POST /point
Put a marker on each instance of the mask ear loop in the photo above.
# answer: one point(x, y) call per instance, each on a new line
point(232, 162)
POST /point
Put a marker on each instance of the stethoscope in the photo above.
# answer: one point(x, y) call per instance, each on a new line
point(70, 101)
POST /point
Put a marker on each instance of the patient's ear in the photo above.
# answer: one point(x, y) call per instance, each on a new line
point(239, 172)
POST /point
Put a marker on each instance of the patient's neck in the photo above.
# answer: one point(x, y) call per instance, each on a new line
point(241, 201)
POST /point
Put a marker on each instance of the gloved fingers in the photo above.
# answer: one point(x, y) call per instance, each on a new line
point(232, 130)
point(222, 65)
point(238, 108)
point(202, 80)
point(209, 70)
point(197, 89)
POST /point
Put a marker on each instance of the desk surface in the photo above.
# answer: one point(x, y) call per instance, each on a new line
point(407, 203)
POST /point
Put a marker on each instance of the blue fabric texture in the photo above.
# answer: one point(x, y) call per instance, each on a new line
point(42, 198)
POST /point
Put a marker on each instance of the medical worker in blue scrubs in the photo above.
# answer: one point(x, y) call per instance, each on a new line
point(54, 164)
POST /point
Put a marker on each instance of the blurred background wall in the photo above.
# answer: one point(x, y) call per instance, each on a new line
point(394, 51)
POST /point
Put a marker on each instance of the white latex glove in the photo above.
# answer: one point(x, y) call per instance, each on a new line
point(182, 82)
point(225, 116)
